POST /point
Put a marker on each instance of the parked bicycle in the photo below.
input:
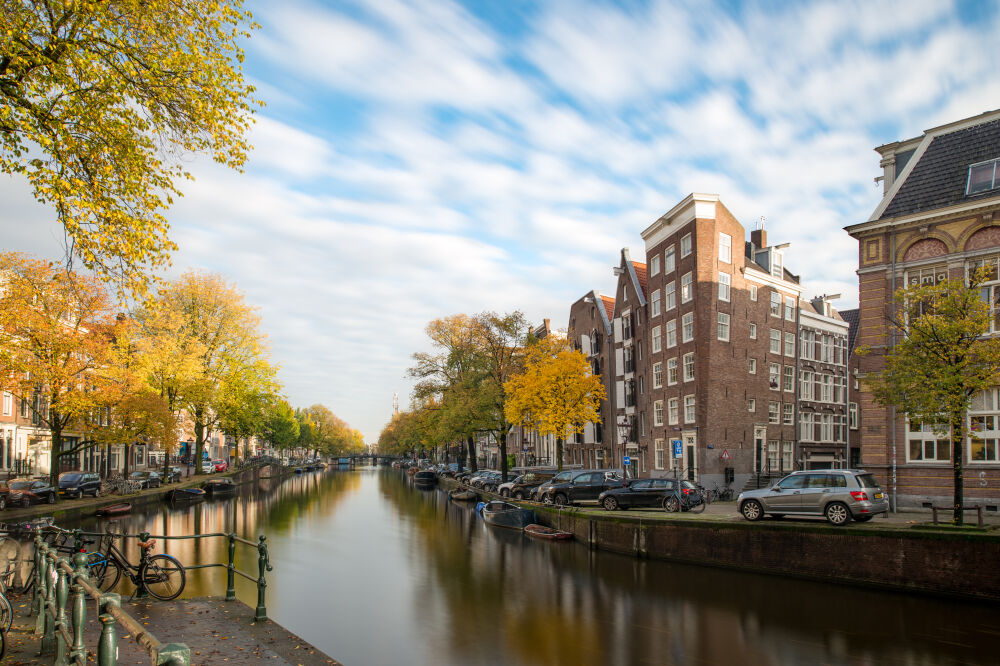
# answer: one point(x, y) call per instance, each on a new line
point(687, 497)
point(722, 494)
point(161, 575)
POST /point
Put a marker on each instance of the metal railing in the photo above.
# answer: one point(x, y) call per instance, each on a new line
point(62, 632)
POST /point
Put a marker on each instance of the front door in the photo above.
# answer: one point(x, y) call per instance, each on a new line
point(691, 457)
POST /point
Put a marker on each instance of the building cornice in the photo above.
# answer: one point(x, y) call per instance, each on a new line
point(693, 206)
point(766, 278)
point(983, 205)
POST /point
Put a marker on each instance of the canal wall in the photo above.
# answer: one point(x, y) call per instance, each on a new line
point(905, 558)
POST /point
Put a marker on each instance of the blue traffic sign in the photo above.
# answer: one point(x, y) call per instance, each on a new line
point(678, 452)
point(626, 460)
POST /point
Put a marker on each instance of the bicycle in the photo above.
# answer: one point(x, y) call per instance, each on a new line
point(691, 500)
point(723, 494)
point(161, 575)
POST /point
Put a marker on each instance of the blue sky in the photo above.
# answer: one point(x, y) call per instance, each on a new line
point(419, 159)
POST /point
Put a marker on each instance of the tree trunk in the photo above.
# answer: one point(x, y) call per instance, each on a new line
point(199, 439)
point(55, 432)
point(559, 453)
point(957, 437)
point(473, 465)
point(125, 463)
point(503, 455)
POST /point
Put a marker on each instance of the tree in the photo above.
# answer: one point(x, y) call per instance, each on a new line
point(243, 402)
point(100, 103)
point(142, 416)
point(281, 428)
point(942, 359)
point(56, 329)
point(556, 393)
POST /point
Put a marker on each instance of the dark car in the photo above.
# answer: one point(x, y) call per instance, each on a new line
point(78, 484)
point(26, 492)
point(174, 475)
point(146, 479)
point(582, 486)
point(525, 485)
point(639, 493)
point(539, 491)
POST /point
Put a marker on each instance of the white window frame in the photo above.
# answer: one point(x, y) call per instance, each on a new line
point(725, 248)
point(788, 413)
point(788, 378)
point(685, 245)
point(654, 265)
point(669, 296)
point(752, 406)
point(753, 331)
point(672, 371)
point(658, 375)
point(723, 332)
point(934, 448)
point(774, 344)
point(690, 413)
point(655, 341)
point(789, 308)
point(687, 327)
point(789, 343)
point(774, 376)
point(669, 260)
point(774, 412)
point(654, 304)
point(725, 286)
point(658, 454)
point(688, 366)
point(671, 333)
point(752, 366)
point(658, 413)
point(672, 407)
point(687, 287)
point(852, 415)
point(753, 292)
point(775, 304)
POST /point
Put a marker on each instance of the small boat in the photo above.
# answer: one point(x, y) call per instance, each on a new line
point(460, 495)
point(425, 478)
point(114, 509)
point(186, 495)
point(219, 487)
point(543, 532)
point(299, 470)
point(505, 514)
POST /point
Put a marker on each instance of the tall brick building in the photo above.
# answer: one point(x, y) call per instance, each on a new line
point(590, 331)
point(939, 218)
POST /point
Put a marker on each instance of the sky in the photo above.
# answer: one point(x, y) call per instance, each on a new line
point(421, 159)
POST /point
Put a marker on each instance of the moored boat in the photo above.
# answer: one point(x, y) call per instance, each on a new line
point(425, 478)
point(219, 487)
point(461, 495)
point(114, 509)
point(505, 514)
point(543, 532)
point(186, 495)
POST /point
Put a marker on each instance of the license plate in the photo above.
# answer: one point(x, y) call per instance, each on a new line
point(879, 495)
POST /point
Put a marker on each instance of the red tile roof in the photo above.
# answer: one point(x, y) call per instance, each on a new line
point(609, 306)
point(640, 272)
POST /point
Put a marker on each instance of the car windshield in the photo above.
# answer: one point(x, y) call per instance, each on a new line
point(70, 477)
point(20, 485)
point(138, 475)
point(867, 481)
point(563, 476)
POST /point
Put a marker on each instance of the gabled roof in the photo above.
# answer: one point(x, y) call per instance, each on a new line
point(853, 319)
point(936, 176)
point(640, 274)
point(609, 306)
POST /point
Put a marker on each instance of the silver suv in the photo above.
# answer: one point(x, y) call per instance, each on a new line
point(838, 494)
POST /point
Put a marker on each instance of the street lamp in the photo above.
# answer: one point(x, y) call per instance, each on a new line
point(624, 428)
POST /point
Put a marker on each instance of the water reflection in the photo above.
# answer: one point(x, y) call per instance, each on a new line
point(373, 571)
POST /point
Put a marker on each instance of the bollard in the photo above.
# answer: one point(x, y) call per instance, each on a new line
point(173, 654)
point(231, 569)
point(263, 565)
point(48, 635)
point(107, 646)
point(38, 597)
point(140, 591)
point(79, 651)
point(62, 596)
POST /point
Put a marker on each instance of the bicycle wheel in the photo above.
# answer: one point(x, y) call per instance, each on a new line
point(106, 574)
point(6, 614)
point(699, 507)
point(163, 577)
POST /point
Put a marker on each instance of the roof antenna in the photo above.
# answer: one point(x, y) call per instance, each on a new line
point(760, 224)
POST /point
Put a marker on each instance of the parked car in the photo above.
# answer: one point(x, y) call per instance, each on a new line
point(524, 486)
point(640, 493)
point(146, 479)
point(25, 492)
point(562, 476)
point(174, 475)
point(504, 488)
point(78, 484)
point(481, 477)
point(582, 486)
point(838, 494)
point(222, 465)
point(206, 467)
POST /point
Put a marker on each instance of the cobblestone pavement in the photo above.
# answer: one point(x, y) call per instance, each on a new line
point(217, 631)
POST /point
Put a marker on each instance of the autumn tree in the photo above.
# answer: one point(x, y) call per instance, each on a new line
point(55, 333)
point(281, 428)
point(101, 104)
point(244, 400)
point(556, 393)
point(940, 361)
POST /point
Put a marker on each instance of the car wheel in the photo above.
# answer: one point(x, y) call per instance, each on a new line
point(838, 514)
point(863, 519)
point(518, 495)
point(97, 492)
point(560, 500)
point(3, 503)
point(671, 504)
point(505, 493)
point(752, 510)
point(610, 504)
point(52, 498)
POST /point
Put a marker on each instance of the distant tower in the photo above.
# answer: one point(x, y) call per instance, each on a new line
point(395, 404)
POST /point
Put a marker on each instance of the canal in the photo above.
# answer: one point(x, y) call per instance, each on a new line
point(373, 571)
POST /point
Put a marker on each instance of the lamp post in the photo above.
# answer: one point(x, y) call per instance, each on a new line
point(624, 427)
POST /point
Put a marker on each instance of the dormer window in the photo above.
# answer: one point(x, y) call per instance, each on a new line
point(983, 177)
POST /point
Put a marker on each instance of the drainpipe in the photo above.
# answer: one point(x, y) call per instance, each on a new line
point(892, 345)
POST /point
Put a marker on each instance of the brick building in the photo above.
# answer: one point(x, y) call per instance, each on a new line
point(938, 219)
point(590, 330)
point(629, 359)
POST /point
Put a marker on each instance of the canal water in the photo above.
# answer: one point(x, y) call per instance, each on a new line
point(374, 571)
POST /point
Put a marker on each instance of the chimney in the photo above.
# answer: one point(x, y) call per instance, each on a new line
point(759, 238)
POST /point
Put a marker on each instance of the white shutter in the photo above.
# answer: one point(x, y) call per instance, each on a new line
point(619, 395)
point(585, 344)
point(588, 433)
point(619, 361)
point(618, 329)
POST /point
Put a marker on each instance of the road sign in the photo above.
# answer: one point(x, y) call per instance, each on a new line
point(678, 451)
point(725, 455)
point(626, 461)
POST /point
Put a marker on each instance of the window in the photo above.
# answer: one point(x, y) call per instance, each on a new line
point(658, 413)
point(725, 283)
point(657, 375)
point(658, 458)
point(725, 248)
point(689, 367)
point(753, 292)
point(8, 402)
point(776, 258)
point(852, 416)
point(671, 327)
point(753, 331)
point(984, 427)
point(724, 327)
point(669, 262)
point(685, 245)
point(924, 445)
point(642, 384)
point(807, 346)
point(789, 344)
point(654, 304)
point(790, 308)
point(654, 265)
point(806, 426)
point(687, 291)
point(672, 411)
point(655, 340)
point(775, 304)
point(687, 327)
point(751, 405)
point(689, 409)
point(806, 391)
point(774, 376)
point(983, 177)
point(774, 412)
point(789, 378)
point(788, 415)
point(989, 290)
point(753, 366)
point(775, 341)
point(669, 296)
